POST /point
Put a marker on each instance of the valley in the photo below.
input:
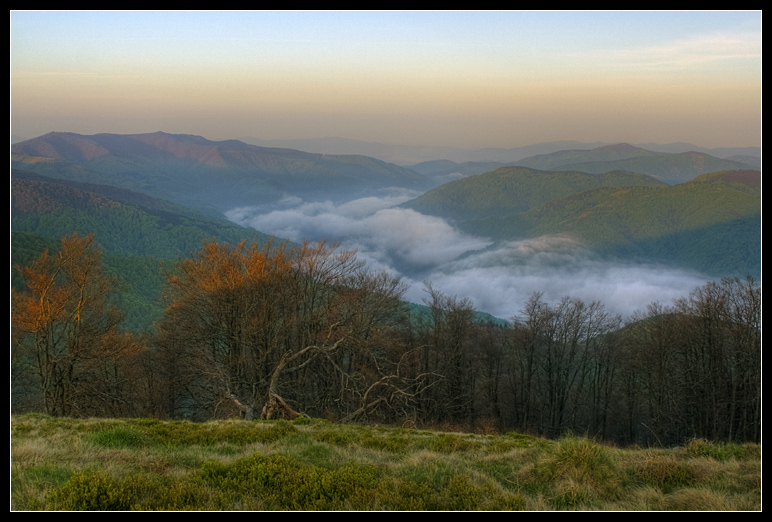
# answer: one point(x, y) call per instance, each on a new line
point(551, 222)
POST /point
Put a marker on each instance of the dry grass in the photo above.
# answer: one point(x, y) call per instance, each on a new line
point(92, 464)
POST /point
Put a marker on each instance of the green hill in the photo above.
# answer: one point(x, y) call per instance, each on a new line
point(555, 160)
point(511, 190)
point(711, 224)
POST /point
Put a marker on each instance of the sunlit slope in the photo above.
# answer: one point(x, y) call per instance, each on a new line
point(512, 190)
point(712, 223)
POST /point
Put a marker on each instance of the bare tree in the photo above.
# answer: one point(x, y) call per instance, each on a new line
point(562, 368)
point(722, 351)
point(447, 352)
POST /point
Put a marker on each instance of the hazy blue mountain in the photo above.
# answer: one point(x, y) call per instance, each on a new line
point(747, 159)
point(407, 155)
point(669, 167)
point(719, 152)
point(197, 172)
point(443, 171)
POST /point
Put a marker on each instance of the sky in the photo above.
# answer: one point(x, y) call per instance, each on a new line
point(434, 78)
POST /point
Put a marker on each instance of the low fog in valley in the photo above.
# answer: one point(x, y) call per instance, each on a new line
point(497, 278)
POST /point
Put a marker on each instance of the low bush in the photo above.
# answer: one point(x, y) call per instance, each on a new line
point(92, 491)
point(282, 482)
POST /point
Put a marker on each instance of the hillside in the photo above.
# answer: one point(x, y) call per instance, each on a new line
point(671, 168)
point(124, 222)
point(711, 224)
point(748, 180)
point(511, 190)
point(193, 171)
point(137, 234)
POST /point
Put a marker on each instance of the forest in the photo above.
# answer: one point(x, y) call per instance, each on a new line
point(279, 330)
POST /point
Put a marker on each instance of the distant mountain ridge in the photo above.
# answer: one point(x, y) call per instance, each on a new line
point(160, 195)
point(669, 167)
point(408, 155)
point(194, 171)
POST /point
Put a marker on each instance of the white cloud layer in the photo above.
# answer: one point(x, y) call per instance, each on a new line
point(497, 278)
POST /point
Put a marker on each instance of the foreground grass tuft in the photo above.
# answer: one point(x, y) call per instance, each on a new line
point(147, 464)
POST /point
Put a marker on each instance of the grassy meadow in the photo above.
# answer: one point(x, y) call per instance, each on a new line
point(312, 464)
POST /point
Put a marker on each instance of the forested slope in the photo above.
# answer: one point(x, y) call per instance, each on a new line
point(711, 223)
point(140, 236)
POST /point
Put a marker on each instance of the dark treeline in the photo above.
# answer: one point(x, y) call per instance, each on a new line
point(277, 331)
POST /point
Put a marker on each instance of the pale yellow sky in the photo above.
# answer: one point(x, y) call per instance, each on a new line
point(498, 79)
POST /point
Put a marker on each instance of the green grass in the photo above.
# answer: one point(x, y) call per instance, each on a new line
point(308, 464)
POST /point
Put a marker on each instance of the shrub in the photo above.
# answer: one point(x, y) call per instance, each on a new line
point(462, 495)
point(91, 491)
point(521, 440)
point(303, 421)
point(579, 472)
point(183, 495)
point(336, 437)
point(283, 482)
point(579, 454)
point(393, 443)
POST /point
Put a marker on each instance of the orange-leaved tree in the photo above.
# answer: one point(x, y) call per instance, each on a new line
point(64, 329)
point(242, 316)
point(271, 329)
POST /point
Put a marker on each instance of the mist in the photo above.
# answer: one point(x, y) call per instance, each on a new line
point(498, 278)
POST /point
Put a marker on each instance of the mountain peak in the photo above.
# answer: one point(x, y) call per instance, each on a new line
point(620, 147)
